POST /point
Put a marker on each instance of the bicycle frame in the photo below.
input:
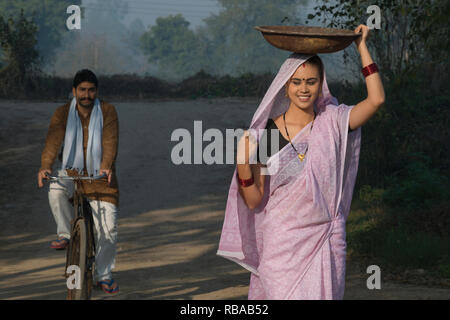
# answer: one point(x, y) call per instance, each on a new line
point(83, 215)
point(83, 212)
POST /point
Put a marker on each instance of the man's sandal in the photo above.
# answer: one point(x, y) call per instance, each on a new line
point(108, 283)
point(59, 244)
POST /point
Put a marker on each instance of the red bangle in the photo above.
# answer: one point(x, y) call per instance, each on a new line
point(368, 70)
point(245, 182)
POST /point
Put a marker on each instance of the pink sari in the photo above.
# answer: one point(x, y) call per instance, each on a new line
point(294, 242)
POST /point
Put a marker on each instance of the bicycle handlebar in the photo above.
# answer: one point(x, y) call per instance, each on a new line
point(49, 177)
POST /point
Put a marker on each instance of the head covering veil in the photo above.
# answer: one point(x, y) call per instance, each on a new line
point(275, 102)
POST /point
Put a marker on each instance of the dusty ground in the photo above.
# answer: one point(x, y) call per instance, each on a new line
point(170, 218)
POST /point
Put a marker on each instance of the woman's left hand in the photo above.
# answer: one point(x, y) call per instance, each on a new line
point(364, 110)
point(365, 34)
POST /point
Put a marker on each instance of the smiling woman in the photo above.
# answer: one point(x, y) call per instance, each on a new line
point(284, 225)
point(288, 227)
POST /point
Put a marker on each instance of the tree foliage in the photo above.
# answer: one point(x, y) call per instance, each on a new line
point(412, 34)
point(226, 44)
point(231, 41)
point(172, 46)
point(49, 16)
point(20, 57)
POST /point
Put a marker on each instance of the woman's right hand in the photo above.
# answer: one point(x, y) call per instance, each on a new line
point(248, 168)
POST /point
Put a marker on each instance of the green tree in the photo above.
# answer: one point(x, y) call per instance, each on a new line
point(49, 16)
point(18, 42)
point(172, 46)
point(226, 44)
point(231, 45)
point(412, 34)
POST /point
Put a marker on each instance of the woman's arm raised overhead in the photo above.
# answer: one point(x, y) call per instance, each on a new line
point(365, 109)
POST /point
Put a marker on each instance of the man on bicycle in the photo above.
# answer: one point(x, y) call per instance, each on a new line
point(88, 129)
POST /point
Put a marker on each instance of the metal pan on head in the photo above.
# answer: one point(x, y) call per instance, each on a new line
point(308, 40)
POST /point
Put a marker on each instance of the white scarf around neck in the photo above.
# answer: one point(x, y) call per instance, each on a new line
point(73, 155)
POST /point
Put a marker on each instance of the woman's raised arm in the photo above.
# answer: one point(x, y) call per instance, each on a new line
point(364, 110)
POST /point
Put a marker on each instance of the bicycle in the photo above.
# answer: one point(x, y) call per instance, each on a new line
point(81, 248)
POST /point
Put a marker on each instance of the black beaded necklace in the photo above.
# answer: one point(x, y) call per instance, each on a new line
point(301, 156)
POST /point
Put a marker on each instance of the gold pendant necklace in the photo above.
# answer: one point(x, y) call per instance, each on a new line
point(301, 156)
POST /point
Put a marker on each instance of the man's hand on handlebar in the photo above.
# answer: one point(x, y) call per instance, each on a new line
point(42, 175)
point(107, 173)
point(46, 174)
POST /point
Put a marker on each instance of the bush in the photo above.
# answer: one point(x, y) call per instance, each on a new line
point(133, 87)
point(417, 186)
point(401, 247)
point(371, 236)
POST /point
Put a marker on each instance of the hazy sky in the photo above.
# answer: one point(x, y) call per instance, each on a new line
point(193, 10)
point(147, 11)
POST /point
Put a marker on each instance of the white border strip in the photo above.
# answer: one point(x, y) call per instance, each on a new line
point(237, 257)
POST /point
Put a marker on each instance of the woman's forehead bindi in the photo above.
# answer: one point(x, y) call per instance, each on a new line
point(306, 71)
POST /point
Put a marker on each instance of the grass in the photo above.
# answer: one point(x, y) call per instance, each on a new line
point(371, 237)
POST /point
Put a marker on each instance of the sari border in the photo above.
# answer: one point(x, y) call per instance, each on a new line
point(237, 257)
point(343, 157)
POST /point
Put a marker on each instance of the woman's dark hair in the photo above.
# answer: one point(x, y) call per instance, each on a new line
point(315, 60)
point(85, 75)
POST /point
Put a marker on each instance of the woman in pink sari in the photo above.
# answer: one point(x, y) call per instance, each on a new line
point(287, 225)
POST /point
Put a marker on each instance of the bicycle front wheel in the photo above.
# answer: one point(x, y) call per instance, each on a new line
point(78, 288)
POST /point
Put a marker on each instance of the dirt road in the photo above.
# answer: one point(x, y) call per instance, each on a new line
point(170, 216)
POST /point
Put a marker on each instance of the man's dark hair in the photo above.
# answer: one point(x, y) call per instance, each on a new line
point(85, 75)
